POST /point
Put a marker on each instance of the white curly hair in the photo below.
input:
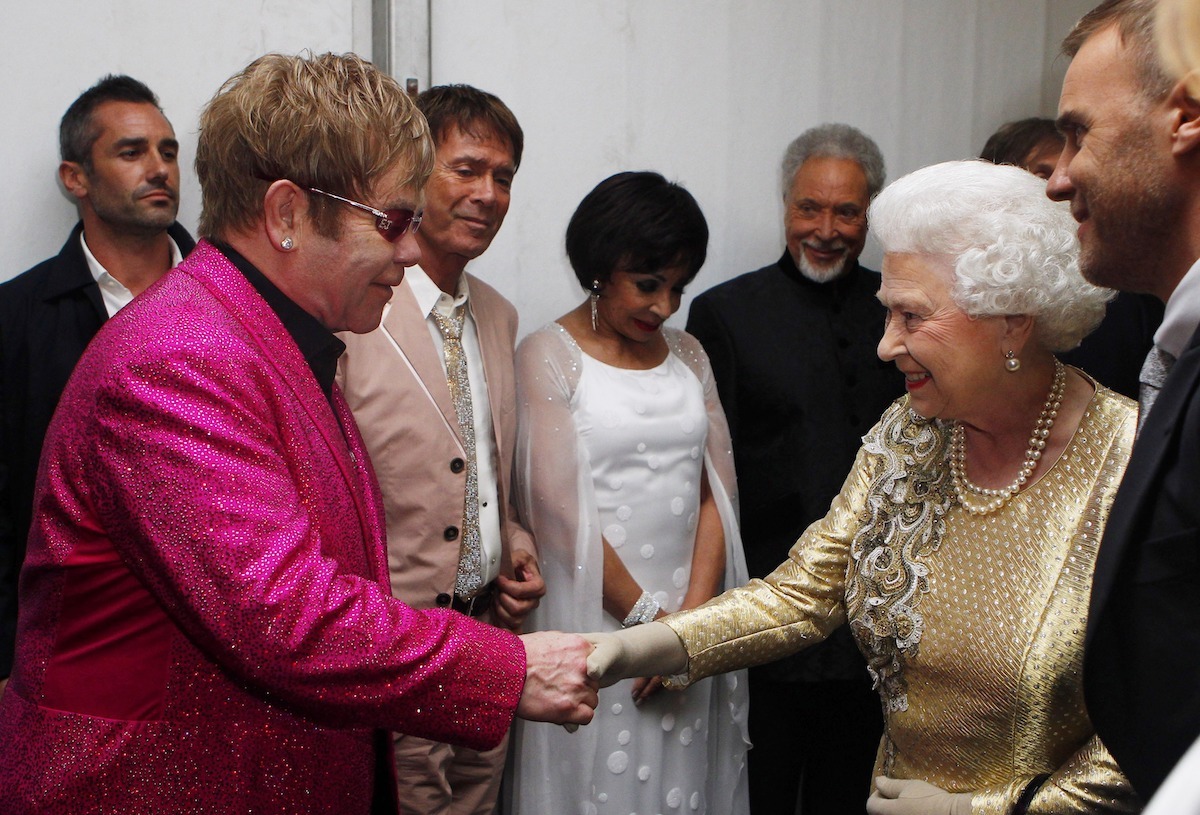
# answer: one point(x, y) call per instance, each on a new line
point(1013, 250)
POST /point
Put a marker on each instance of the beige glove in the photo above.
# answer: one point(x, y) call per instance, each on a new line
point(652, 649)
point(897, 796)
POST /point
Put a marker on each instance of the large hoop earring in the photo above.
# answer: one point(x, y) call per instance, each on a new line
point(1011, 363)
point(594, 297)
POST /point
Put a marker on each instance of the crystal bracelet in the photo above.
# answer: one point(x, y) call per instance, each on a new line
point(643, 611)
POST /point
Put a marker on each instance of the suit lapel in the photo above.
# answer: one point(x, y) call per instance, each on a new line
point(406, 325)
point(366, 492)
point(70, 274)
point(491, 338)
point(279, 352)
point(1139, 485)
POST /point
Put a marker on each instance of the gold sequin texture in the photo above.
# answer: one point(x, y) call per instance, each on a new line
point(973, 625)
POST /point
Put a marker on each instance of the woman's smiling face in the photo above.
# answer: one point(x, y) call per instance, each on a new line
point(952, 363)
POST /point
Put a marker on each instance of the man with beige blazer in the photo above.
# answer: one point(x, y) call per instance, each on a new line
point(432, 390)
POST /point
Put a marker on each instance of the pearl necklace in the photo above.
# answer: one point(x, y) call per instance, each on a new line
point(996, 498)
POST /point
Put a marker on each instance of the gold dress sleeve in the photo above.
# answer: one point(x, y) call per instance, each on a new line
point(797, 605)
point(972, 625)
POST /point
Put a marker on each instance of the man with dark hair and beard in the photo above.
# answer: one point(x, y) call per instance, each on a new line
point(793, 347)
point(1131, 170)
point(120, 163)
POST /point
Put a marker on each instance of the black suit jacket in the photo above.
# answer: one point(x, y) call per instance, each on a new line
point(48, 315)
point(797, 370)
point(1142, 662)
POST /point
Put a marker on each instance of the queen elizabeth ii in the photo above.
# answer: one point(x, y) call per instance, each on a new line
point(960, 548)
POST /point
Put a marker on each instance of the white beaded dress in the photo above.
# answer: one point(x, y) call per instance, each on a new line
point(621, 453)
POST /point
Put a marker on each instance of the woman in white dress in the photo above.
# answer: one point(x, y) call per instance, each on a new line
point(625, 476)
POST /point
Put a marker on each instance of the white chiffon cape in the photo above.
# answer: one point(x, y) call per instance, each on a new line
point(556, 499)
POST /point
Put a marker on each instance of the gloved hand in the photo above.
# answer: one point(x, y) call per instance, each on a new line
point(897, 796)
point(652, 649)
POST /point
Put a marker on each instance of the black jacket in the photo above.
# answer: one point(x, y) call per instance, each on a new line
point(48, 315)
point(1142, 659)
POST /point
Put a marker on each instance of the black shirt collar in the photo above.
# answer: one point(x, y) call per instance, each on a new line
point(319, 346)
point(843, 282)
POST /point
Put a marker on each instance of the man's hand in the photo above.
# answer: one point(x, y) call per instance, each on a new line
point(516, 598)
point(896, 796)
point(557, 687)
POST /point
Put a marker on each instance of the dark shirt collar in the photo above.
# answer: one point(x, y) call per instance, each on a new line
point(843, 282)
point(319, 346)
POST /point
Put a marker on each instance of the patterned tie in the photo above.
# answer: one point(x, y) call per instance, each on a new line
point(1154, 372)
point(469, 580)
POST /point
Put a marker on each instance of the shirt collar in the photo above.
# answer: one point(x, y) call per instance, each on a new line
point(788, 266)
point(317, 343)
point(1182, 314)
point(102, 276)
point(430, 297)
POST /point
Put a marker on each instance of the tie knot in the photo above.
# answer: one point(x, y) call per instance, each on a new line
point(451, 326)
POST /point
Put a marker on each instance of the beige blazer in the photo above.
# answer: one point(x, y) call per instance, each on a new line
point(404, 409)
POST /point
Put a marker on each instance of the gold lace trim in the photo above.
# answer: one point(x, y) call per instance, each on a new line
point(903, 521)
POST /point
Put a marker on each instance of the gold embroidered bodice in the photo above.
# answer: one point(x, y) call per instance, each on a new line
point(972, 626)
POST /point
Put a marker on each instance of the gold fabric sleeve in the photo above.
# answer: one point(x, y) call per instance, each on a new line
point(797, 605)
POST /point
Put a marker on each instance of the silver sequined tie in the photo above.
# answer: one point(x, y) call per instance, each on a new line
point(1154, 372)
point(469, 579)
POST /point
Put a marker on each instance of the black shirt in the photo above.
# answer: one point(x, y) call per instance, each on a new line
point(317, 343)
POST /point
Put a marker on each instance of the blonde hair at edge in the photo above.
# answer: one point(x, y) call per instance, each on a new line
point(1013, 250)
point(333, 121)
point(1177, 29)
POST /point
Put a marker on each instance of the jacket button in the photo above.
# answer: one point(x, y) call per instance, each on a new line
point(457, 465)
point(443, 600)
point(450, 533)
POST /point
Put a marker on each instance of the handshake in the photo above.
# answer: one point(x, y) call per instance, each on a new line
point(564, 672)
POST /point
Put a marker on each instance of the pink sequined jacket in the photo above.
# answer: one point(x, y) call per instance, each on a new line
point(206, 624)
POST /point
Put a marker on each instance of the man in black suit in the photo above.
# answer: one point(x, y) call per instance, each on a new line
point(1131, 170)
point(120, 163)
point(793, 350)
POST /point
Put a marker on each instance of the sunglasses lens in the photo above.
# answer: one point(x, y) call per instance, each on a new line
point(397, 223)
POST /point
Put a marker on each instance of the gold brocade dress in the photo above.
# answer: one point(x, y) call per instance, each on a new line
point(973, 626)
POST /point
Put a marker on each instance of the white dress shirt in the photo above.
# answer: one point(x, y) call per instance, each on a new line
point(116, 295)
point(1182, 314)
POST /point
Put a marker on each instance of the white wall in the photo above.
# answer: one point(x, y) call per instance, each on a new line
point(707, 92)
point(183, 51)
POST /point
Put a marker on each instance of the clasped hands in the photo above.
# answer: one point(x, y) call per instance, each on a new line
point(564, 672)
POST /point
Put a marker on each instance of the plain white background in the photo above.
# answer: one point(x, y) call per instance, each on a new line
point(707, 92)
